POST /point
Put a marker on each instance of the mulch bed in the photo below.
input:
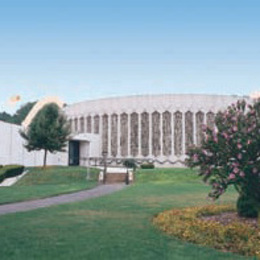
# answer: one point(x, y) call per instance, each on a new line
point(226, 218)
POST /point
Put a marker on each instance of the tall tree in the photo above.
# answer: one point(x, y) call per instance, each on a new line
point(19, 115)
point(22, 112)
point(6, 117)
point(48, 131)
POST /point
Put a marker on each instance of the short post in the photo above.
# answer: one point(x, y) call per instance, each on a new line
point(88, 169)
point(127, 176)
point(104, 154)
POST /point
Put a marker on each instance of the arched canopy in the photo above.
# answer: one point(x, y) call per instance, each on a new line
point(38, 106)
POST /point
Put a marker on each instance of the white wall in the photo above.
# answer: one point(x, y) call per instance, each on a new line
point(12, 150)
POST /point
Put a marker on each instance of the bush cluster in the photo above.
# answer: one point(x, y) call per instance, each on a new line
point(9, 171)
point(188, 225)
point(147, 166)
point(130, 163)
point(229, 154)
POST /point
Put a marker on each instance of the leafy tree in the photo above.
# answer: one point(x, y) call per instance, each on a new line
point(230, 155)
point(19, 115)
point(22, 112)
point(48, 131)
point(6, 117)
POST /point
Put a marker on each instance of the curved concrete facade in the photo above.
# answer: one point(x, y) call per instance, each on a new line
point(154, 128)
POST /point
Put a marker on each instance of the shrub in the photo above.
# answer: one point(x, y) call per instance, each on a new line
point(188, 224)
point(147, 166)
point(229, 154)
point(246, 207)
point(2, 175)
point(9, 171)
point(130, 163)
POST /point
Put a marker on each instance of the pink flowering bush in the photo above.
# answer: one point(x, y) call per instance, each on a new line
point(230, 153)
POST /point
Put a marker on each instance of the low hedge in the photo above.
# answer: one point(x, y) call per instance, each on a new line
point(9, 171)
point(187, 225)
point(147, 166)
point(130, 163)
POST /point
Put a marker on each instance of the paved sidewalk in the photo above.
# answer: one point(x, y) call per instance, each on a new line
point(61, 199)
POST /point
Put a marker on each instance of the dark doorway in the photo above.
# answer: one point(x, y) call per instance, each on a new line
point(74, 153)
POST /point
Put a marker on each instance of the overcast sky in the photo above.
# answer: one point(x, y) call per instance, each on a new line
point(80, 50)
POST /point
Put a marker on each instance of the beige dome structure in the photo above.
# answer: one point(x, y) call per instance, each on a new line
point(38, 106)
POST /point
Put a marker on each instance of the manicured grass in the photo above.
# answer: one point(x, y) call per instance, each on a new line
point(118, 226)
point(167, 175)
point(40, 183)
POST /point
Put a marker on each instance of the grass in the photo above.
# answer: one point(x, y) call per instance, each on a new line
point(167, 175)
point(40, 183)
point(117, 226)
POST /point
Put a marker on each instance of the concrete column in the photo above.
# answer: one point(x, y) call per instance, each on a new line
point(194, 127)
point(172, 118)
point(101, 133)
point(183, 132)
point(150, 135)
point(161, 130)
point(85, 124)
point(139, 136)
point(118, 135)
point(129, 134)
point(92, 123)
point(109, 134)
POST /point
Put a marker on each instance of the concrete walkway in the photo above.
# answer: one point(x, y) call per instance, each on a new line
point(61, 199)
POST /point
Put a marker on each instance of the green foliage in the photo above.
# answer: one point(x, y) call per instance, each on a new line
point(130, 163)
point(188, 224)
point(22, 112)
point(2, 175)
point(48, 131)
point(230, 154)
point(246, 207)
point(19, 115)
point(9, 171)
point(6, 117)
point(147, 166)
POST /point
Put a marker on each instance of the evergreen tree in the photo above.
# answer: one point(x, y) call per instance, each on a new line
point(19, 115)
point(22, 112)
point(6, 117)
point(48, 131)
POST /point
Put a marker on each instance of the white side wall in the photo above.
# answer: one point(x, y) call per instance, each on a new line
point(90, 144)
point(13, 152)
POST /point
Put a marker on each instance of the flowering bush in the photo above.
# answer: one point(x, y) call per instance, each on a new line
point(188, 224)
point(230, 152)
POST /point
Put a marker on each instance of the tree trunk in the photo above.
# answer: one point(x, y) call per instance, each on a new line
point(45, 158)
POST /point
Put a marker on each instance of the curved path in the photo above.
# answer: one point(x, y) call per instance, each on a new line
point(61, 199)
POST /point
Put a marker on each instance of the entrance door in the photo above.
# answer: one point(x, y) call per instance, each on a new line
point(74, 153)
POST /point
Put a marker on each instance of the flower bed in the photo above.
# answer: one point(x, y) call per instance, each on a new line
point(190, 225)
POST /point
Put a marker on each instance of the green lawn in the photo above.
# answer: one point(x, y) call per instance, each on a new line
point(117, 226)
point(39, 183)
